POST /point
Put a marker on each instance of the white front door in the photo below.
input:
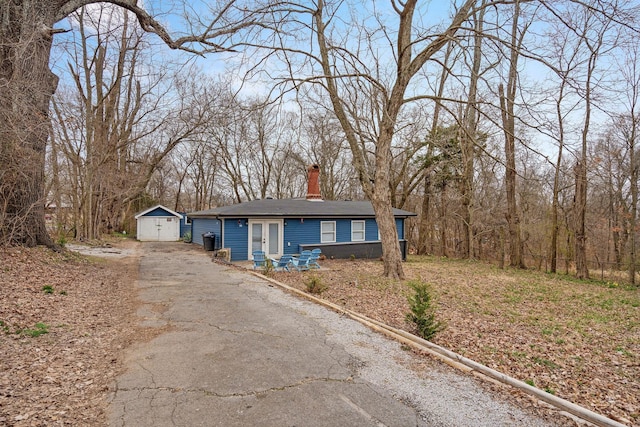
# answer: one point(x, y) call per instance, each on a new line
point(265, 235)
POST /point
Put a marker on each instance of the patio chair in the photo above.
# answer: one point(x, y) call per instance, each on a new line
point(259, 259)
point(302, 262)
point(315, 256)
point(282, 264)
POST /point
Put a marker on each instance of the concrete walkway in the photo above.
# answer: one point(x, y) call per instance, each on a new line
point(239, 352)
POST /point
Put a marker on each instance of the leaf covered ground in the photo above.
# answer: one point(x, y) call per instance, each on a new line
point(64, 321)
point(578, 340)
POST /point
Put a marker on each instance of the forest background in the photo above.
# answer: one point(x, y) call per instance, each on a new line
point(508, 127)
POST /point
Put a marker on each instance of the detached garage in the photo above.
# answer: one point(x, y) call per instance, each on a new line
point(158, 224)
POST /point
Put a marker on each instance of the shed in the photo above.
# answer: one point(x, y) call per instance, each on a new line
point(158, 224)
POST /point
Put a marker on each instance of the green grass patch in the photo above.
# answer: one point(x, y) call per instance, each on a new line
point(39, 329)
point(544, 362)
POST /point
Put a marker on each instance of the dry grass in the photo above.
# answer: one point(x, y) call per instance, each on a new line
point(576, 339)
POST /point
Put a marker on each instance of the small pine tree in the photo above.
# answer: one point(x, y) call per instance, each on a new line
point(315, 285)
point(422, 314)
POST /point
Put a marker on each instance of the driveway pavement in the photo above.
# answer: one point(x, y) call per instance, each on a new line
point(236, 351)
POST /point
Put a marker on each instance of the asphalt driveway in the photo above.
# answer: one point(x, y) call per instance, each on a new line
point(236, 351)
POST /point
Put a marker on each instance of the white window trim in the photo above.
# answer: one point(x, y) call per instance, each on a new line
point(363, 231)
point(322, 240)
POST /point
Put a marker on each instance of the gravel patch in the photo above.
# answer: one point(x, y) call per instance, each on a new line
point(102, 251)
point(442, 397)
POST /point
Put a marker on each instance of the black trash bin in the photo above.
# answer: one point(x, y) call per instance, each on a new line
point(209, 241)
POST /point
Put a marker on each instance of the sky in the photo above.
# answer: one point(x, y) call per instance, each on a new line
point(232, 66)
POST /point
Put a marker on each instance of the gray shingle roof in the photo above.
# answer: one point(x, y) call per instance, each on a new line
point(296, 208)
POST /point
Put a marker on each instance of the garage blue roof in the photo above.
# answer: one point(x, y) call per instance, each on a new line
point(296, 208)
point(158, 210)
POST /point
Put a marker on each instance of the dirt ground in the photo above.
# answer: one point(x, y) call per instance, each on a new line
point(64, 321)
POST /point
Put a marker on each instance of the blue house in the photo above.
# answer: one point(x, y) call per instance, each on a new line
point(288, 226)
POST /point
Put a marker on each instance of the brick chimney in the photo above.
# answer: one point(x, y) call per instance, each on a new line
point(313, 189)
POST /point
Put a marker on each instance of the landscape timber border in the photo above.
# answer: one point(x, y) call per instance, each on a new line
point(458, 361)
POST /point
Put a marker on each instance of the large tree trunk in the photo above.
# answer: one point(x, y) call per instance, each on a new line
point(507, 101)
point(26, 87)
point(634, 201)
point(382, 206)
point(468, 135)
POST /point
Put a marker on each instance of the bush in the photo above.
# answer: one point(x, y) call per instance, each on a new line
point(422, 314)
point(267, 268)
point(314, 285)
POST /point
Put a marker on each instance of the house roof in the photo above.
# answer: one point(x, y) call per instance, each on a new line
point(153, 208)
point(293, 208)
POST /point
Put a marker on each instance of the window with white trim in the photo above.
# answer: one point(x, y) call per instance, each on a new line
point(327, 231)
point(357, 231)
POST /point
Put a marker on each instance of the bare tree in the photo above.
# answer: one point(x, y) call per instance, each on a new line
point(469, 133)
point(610, 202)
point(27, 84)
point(409, 61)
point(562, 57)
point(629, 130)
point(507, 105)
point(592, 29)
point(122, 121)
point(328, 150)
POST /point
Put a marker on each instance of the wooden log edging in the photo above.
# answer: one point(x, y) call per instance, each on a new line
point(456, 360)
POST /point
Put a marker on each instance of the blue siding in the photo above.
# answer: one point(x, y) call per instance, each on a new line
point(296, 232)
point(203, 225)
point(400, 227)
point(370, 230)
point(343, 230)
point(184, 227)
point(236, 238)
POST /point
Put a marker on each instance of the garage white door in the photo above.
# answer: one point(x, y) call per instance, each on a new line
point(158, 229)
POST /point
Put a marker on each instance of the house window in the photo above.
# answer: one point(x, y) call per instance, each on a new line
point(187, 220)
point(327, 231)
point(357, 231)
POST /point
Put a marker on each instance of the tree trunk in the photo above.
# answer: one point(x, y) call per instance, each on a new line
point(580, 204)
point(513, 219)
point(443, 221)
point(555, 226)
point(634, 202)
point(424, 235)
point(468, 139)
point(507, 101)
point(26, 87)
